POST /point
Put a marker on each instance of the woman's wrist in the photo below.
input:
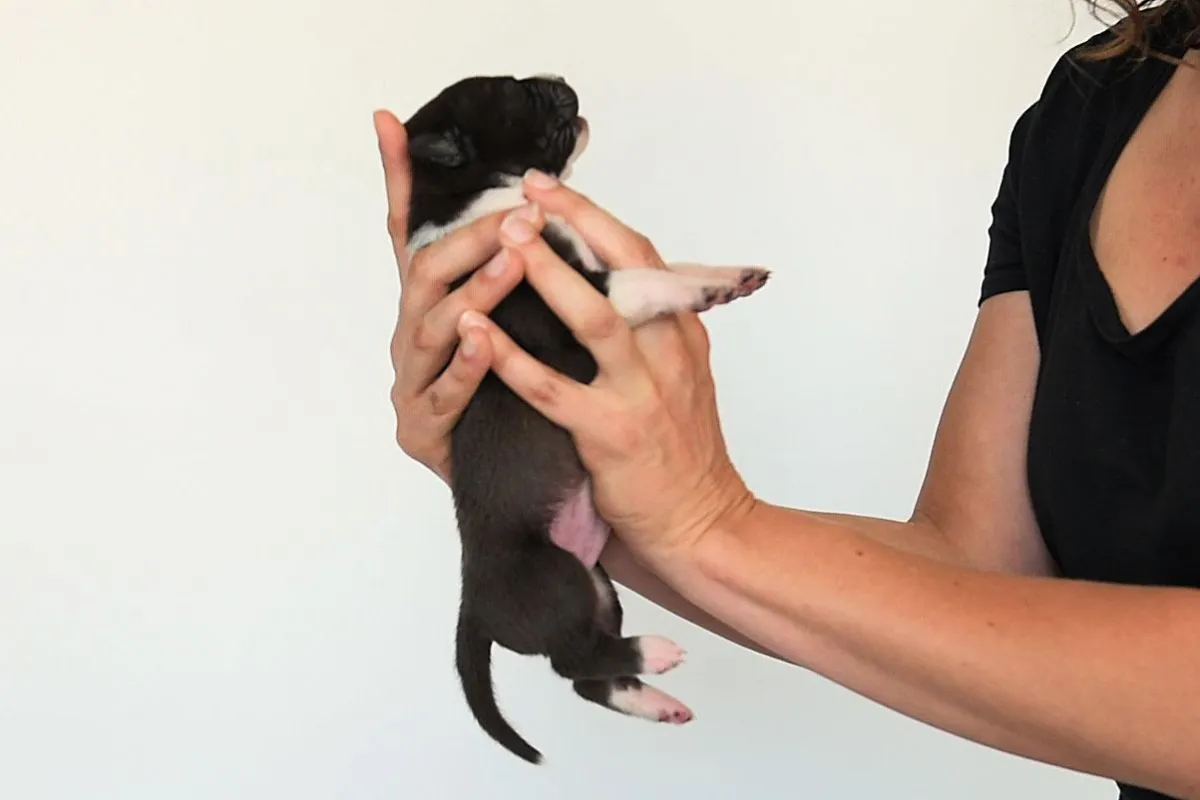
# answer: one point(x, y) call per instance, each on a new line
point(697, 560)
point(720, 561)
point(753, 569)
point(720, 504)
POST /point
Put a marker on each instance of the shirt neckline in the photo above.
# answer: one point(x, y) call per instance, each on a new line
point(1105, 312)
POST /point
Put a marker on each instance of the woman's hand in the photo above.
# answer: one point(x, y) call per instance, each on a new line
point(435, 373)
point(647, 428)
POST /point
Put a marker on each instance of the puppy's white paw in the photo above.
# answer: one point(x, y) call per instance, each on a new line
point(652, 704)
point(640, 295)
point(659, 654)
point(723, 284)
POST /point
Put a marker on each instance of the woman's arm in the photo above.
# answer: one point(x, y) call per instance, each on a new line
point(1093, 677)
point(1096, 678)
point(624, 568)
point(973, 509)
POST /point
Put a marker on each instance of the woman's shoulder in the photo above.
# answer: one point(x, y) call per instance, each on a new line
point(1080, 88)
point(1059, 147)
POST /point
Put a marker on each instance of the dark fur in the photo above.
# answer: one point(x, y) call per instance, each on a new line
point(510, 465)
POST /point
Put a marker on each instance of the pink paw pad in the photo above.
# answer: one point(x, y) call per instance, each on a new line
point(679, 716)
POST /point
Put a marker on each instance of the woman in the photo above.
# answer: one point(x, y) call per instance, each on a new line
point(1042, 599)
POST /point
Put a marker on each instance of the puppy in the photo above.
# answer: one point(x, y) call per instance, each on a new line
point(531, 537)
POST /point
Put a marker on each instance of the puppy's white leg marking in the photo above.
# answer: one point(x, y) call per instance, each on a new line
point(659, 654)
point(641, 294)
point(652, 704)
point(503, 198)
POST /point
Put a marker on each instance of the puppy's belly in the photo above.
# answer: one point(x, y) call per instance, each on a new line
point(578, 529)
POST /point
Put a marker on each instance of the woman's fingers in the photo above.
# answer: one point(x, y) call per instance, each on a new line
point(482, 292)
point(616, 243)
point(393, 151)
point(620, 246)
point(433, 334)
point(428, 315)
point(555, 396)
point(450, 393)
point(444, 261)
point(423, 423)
point(575, 301)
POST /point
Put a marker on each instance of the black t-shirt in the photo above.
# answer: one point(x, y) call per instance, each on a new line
point(1114, 440)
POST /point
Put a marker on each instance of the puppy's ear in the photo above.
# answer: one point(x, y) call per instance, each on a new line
point(436, 148)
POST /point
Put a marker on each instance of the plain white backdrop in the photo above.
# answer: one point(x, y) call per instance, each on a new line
point(219, 577)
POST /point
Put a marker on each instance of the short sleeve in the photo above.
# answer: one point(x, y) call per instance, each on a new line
point(1005, 268)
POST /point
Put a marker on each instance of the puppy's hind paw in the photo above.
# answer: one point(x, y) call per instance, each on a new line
point(659, 654)
point(651, 704)
point(676, 716)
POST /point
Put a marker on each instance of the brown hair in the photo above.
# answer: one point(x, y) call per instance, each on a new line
point(1134, 28)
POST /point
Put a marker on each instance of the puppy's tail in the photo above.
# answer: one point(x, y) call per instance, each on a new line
point(473, 658)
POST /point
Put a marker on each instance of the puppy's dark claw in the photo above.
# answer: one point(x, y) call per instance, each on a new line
point(748, 281)
point(752, 280)
point(707, 300)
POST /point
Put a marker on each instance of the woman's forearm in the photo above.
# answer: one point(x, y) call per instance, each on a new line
point(920, 537)
point(624, 568)
point(1092, 677)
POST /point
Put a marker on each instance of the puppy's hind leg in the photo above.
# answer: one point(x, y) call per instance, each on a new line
point(550, 607)
point(632, 697)
point(642, 293)
point(626, 695)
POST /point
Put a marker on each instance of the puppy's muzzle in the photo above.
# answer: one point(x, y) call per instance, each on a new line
point(554, 90)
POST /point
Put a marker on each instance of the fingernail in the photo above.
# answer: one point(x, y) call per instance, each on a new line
point(497, 265)
point(517, 228)
point(469, 346)
point(529, 211)
point(470, 321)
point(540, 180)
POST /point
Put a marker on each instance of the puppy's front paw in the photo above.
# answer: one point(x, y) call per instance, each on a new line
point(721, 286)
point(640, 295)
point(659, 654)
point(751, 280)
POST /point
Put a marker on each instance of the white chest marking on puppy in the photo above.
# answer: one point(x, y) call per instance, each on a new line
point(503, 198)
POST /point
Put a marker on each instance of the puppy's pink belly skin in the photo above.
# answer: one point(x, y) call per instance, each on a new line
point(578, 529)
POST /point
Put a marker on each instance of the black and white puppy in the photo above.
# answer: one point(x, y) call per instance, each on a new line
point(531, 537)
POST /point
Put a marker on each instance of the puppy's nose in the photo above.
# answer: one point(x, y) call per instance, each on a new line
point(556, 92)
point(564, 99)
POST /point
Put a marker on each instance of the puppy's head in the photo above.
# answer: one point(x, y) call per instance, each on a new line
point(483, 132)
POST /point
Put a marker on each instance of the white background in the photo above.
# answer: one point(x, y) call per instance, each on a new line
point(219, 577)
